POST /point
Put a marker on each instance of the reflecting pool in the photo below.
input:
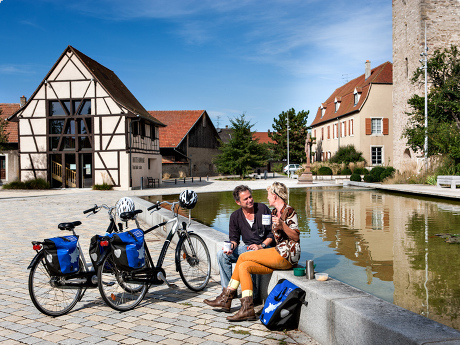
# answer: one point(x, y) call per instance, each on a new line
point(384, 244)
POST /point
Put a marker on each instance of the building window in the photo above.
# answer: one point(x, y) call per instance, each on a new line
point(337, 106)
point(376, 126)
point(376, 155)
point(322, 133)
point(350, 129)
point(323, 111)
point(328, 132)
point(344, 129)
point(142, 128)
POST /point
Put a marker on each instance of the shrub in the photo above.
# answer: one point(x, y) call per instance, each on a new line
point(104, 186)
point(376, 172)
point(369, 178)
point(361, 171)
point(347, 154)
point(355, 177)
point(277, 167)
point(37, 183)
point(388, 172)
point(324, 171)
point(346, 171)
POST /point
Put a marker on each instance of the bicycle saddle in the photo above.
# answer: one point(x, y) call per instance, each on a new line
point(69, 226)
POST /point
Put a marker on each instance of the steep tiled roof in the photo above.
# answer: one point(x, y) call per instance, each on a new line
point(8, 109)
point(263, 137)
point(178, 122)
point(110, 82)
point(382, 74)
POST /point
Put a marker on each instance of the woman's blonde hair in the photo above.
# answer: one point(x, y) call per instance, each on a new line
point(279, 189)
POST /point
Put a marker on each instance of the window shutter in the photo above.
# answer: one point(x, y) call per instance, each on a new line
point(368, 126)
point(385, 126)
point(344, 124)
point(328, 132)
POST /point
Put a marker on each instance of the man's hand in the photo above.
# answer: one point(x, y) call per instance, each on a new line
point(254, 247)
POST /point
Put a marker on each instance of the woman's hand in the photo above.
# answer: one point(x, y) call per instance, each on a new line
point(276, 221)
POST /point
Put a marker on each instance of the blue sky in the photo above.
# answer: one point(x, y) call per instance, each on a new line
point(227, 57)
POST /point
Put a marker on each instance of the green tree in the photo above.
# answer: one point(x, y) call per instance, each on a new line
point(241, 153)
point(443, 106)
point(297, 135)
point(3, 133)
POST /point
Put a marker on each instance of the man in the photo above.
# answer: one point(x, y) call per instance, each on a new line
point(245, 223)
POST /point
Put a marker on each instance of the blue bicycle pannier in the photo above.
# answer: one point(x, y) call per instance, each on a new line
point(62, 255)
point(128, 249)
point(282, 308)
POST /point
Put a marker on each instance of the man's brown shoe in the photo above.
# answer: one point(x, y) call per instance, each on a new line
point(223, 301)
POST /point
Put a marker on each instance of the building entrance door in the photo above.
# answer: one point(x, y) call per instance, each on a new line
point(2, 168)
point(86, 170)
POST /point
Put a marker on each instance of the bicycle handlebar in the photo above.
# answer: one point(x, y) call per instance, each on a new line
point(93, 209)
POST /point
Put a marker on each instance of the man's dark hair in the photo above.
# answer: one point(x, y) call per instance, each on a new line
point(238, 190)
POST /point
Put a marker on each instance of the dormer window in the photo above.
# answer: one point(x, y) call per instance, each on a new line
point(323, 110)
point(357, 96)
point(337, 104)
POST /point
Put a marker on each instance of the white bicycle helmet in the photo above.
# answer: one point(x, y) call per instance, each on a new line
point(188, 199)
point(124, 205)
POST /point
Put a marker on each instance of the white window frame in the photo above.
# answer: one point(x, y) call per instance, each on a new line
point(376, 120)
point(381, 147)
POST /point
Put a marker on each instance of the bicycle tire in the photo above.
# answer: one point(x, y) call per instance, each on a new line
point(115, 292)
point(49, 299)
point(193, 263)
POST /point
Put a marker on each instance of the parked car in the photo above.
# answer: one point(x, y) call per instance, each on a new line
point(292, 168)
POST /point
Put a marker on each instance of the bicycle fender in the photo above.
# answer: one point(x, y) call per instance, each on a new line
point(35, 259)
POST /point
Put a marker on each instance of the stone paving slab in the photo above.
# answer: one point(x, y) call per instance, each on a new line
point(165, 316)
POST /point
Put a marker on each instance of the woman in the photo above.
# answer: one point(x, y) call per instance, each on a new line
point(283, 256)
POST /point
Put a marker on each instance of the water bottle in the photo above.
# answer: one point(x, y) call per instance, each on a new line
point(310, 270)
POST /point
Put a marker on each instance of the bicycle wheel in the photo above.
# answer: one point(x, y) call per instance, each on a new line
point(193, 262)
point(115, 291)
point(46, 295)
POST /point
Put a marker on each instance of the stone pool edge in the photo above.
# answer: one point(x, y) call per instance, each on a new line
point(336, 313)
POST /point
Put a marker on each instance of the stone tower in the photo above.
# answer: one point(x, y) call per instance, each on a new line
point(442, 19)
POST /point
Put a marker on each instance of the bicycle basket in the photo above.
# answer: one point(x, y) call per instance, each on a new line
point(62, 255)
point(128, 249)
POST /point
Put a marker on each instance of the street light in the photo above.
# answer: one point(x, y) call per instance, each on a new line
point(424, 63)
point(288, 146)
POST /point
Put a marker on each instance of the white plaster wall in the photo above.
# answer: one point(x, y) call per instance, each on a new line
point(60, 89)
point(39, 126)
point(82, 89)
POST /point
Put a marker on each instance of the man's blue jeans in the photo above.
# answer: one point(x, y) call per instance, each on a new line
point(225, 267)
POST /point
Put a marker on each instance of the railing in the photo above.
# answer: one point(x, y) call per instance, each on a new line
point(70, 175)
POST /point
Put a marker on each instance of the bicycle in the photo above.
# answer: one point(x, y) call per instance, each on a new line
point(123, 289)
point(52, 291)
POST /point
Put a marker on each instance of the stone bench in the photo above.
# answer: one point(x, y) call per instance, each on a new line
point(448, 180)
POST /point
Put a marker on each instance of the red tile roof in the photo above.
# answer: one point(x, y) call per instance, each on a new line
point(178, 122)
point(263, 137)
point(382, 74)
point(8, 109)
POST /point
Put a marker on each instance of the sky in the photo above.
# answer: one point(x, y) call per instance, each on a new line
point(252, 57)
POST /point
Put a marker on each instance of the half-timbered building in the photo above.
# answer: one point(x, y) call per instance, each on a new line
point(82, 126)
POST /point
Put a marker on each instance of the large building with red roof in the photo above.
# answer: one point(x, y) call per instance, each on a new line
point(188, 144)
point(9, 157)
point(358, 113)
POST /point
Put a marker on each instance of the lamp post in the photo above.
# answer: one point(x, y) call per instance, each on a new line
point(288, 145)
point(424, 62)
point(130, 149)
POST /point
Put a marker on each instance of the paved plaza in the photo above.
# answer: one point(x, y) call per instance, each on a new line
point(166, 316)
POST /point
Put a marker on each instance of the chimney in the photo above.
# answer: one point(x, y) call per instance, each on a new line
point(268, 131)
point(226, 126)
point(367, 69)
point(23, 100)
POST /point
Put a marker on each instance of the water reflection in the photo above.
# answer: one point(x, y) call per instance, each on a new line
point(384, 244)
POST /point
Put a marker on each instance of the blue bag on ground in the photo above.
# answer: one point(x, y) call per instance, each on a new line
point(62, 255)
point(128, 249)
point(281, 310)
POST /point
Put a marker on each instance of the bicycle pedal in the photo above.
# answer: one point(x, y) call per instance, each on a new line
point(108, 284)
point(173, 286)
point(161, 277)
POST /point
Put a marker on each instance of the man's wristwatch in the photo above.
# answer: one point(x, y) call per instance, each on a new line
point(263, 245)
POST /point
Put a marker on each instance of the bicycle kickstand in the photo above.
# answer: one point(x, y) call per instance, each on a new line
point(161, 277)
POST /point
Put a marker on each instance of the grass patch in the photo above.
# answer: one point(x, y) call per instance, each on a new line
point(240, 331)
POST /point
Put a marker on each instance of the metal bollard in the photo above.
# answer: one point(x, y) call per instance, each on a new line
point(142, 182)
